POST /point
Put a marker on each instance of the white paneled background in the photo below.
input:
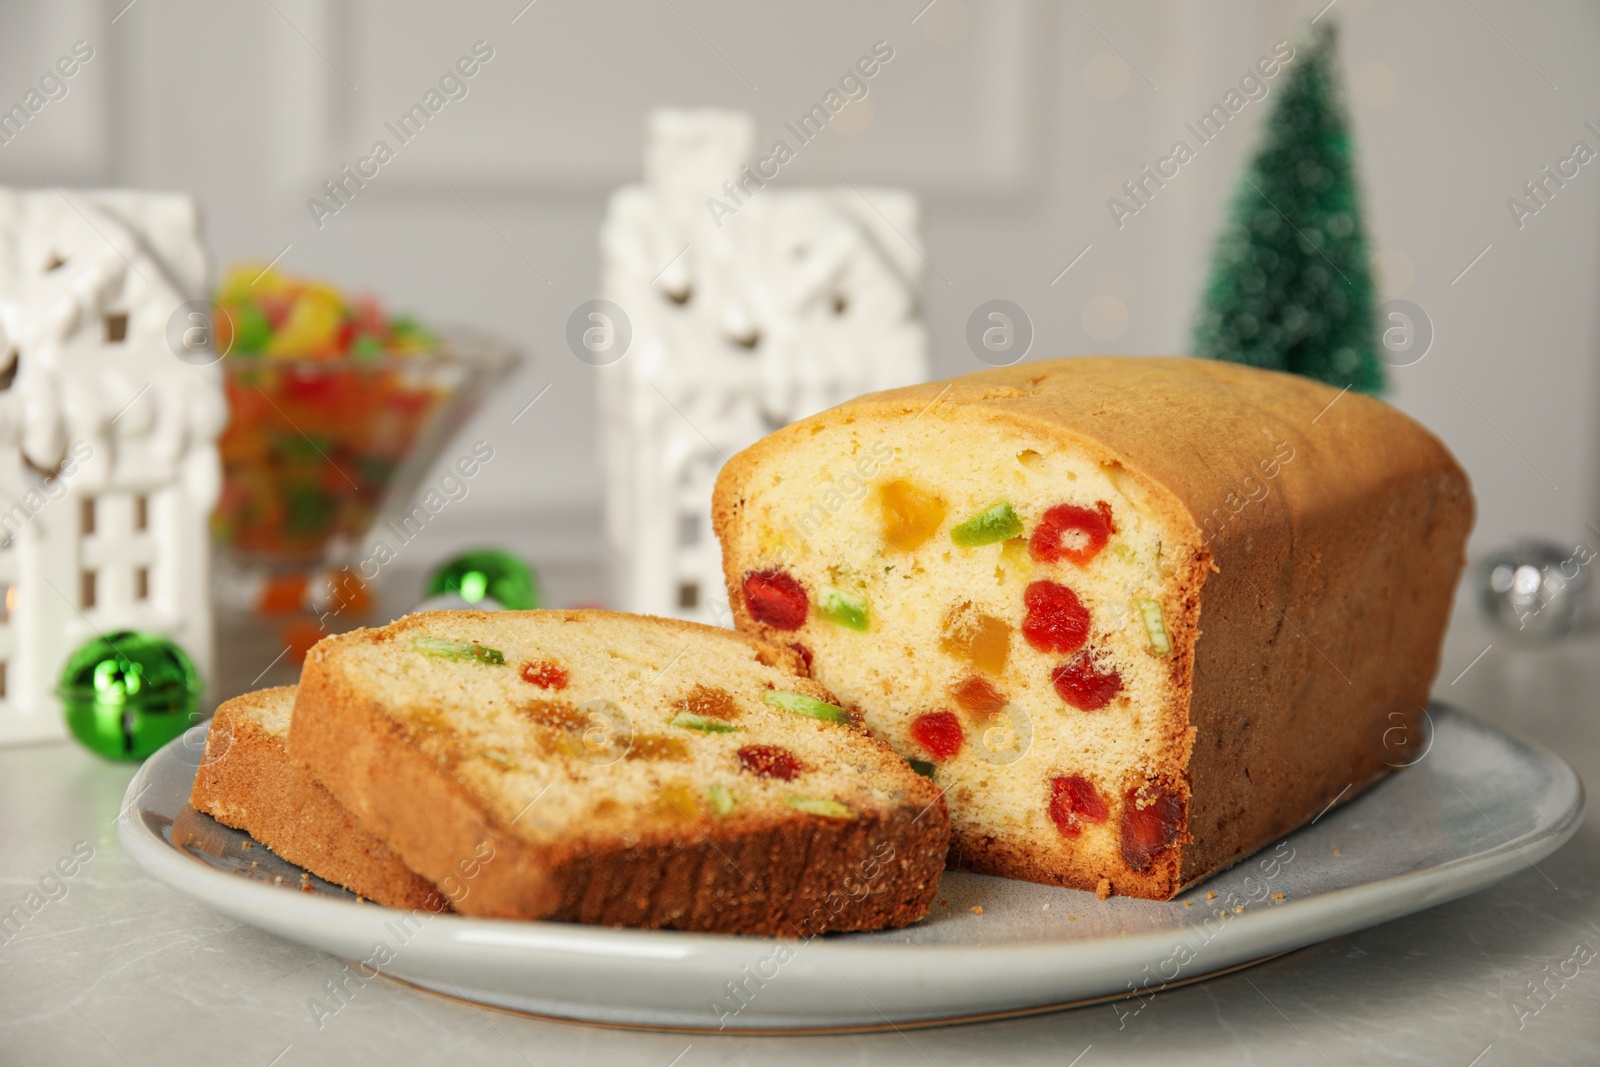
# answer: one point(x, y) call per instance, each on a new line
point(1014, 120)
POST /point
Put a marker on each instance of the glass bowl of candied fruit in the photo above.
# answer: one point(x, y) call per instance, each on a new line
point(336, 411)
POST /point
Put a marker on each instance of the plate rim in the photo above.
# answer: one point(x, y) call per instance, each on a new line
point(1262, 932)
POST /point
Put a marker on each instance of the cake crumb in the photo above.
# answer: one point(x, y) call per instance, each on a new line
point(1338, 852)
point(1210, 895)
point(1238, 909)
point(246, 844)
point(1103, 890)
point(307, 887)
point(977, 909)
point(1277, 896)
point(1072, 918)
point(944, 902)
point(1188, 903)
point(1047, 907)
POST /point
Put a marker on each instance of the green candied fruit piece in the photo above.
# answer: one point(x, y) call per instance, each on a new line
point(997, 522)
point(689, 721)
point(828, 809)
point(1155, 626)
point(844, 609)
point(460, 651)
point(921, 766)
point(722, 799)
point(251, 330)
point(804, 705)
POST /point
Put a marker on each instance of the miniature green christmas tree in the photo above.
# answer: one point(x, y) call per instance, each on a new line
point(1290, 287)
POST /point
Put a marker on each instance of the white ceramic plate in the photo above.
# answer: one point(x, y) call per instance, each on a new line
point(1477, 807)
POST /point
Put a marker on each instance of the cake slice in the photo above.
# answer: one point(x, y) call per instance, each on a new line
point(617, 769)
point(1142, 615)
point(248, 781)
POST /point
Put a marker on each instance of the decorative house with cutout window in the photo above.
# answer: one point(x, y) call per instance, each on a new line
point(751, 304)
point(108, 460)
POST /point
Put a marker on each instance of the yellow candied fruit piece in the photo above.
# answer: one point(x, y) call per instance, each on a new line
point(1014, 554)
point(678, 801)
point(981, 640)
point(312, 326)
point(910, 515)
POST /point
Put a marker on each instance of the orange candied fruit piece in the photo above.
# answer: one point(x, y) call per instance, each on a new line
point(350, 593)
point(991, 644)
point(982, 640)
point(299, 635)
point(554, 714)
point(910, 515)
point(709, 702)
point(282, 594)
point(657, 747)
point(978, 695)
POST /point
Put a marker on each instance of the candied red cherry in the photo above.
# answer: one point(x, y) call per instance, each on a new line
point(939, 732)
point(545, 675)
point(1068, 532)
point(978, 695)
point(770, 761)
point(1074, 801)
point(1056, 621)
point(776, 600)
point(1083, 685)
point(1148, 831)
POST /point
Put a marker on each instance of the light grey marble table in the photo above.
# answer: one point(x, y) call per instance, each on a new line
point(120, 969)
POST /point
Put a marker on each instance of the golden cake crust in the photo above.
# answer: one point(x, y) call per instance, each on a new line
point(248, 781)
point(1308, 620)
point(786, 874)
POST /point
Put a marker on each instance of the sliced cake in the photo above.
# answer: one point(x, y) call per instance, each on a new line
point(617, 769)
point(1141, 615)
point(248, 781)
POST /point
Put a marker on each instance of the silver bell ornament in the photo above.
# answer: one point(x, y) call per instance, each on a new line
point(1533, 590)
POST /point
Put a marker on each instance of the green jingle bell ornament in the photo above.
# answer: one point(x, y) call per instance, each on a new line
point(125, 694)
point(488, 573)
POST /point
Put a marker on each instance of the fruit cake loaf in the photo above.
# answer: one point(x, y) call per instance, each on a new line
point(1142, 615)
point(247, 780)
point(617, 769)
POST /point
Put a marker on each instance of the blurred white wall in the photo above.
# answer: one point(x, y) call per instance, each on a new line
point(1014, 121)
